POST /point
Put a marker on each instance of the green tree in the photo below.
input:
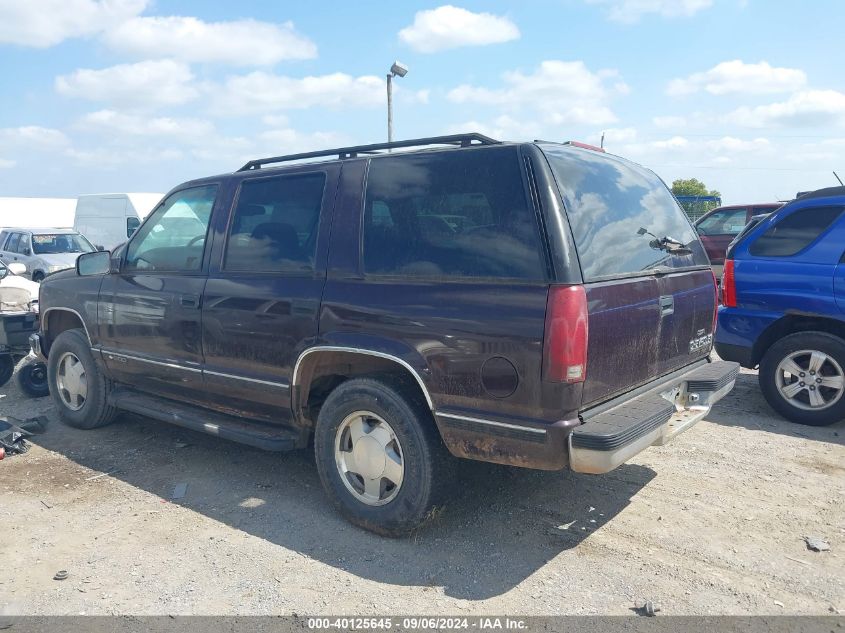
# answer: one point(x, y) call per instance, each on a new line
point(692, 187)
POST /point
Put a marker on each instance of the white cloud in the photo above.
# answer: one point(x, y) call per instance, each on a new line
point(737, 77)
point(262, 92)
point(731, 144)
point(44, 23)
point(145, 84)
point(110, 121)
point(561, 92)
point(451, 27)
point(7, 164)
point(630, 11)
point(239, 43)
point(811, 108)
point(32, 137)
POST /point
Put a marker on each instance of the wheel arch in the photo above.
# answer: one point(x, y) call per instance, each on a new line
point(320, 369)
point(54, 321)
point(793, 324)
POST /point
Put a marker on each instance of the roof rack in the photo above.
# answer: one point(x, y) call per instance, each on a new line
point(462, 140)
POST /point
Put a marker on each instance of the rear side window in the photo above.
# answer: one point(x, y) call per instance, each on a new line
point(795, 232)
point(727, 222)
point(274, 227)
point(459, 213)
point(621, 215)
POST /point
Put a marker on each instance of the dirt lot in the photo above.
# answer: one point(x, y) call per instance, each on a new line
point(713, 523)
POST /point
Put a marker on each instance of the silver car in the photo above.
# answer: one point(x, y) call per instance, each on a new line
point(43, 251)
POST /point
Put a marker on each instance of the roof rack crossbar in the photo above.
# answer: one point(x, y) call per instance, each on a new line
point(463, 140)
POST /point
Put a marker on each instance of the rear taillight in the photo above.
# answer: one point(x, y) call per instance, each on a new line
point(566, 337)
point(728, 284)
point(715, 301)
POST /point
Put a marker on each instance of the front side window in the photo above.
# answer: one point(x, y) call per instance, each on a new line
point(274, 226)
point(795, 232)
point(624, 219)
point(727, 222)
point(173, 237)
point(55, 243)
point(458, 213)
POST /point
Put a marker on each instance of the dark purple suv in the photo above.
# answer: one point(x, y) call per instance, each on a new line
point(532, 304)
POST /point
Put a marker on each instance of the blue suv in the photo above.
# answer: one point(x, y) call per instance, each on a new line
point(783, 295)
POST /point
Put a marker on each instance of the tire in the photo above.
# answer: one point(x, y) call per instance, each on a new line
point(92, 410)
point(7, 368)
point(32, 379)
point(819, 397)
point(424, 460)
point(38, 276)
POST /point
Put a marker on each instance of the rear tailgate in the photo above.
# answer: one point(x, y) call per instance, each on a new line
point(650, 292)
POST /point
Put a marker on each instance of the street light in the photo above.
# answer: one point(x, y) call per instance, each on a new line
point(396, 70)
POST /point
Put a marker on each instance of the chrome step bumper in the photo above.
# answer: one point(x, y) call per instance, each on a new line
point(613, 437)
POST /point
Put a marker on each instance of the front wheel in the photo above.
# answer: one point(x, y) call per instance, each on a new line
point(32, 379)
point(38, 277)
point(79, 388)
point(379, 456)
point(802, 377)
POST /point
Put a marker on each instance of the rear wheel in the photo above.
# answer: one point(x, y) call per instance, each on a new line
point(802, 377)
point(79, 388)
point(32, 379)
point(380, 458)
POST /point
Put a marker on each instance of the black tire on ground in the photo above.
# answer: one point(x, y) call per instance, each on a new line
point(426, 460)
point(7, 368)
point(32, 379)
point(832, 346)
point(95, 411)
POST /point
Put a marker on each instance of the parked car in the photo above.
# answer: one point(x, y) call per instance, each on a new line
point(720, 226)
point(109, 219)
point(43, 251)
point(531, 304)
point(18, 320)
point(783, 291)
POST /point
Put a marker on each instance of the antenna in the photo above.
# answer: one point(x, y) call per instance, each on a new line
point(602, 143)
point(839, 179)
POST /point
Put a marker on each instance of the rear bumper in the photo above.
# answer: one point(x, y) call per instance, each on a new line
point(610, 437)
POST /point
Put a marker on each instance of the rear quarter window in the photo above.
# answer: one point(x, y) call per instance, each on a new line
point(461, 214)
point(618, 211)
point(795, 232)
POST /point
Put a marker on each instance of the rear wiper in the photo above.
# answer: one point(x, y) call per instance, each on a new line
point(666, 243)
point(671, 245)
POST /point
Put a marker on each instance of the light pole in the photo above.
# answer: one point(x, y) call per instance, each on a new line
point(396, 70)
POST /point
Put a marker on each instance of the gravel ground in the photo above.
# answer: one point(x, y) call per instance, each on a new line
point(712, 523)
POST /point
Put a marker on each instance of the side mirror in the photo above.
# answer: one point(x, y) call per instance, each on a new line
point(16, 268)
point(100, 247)
point(26, 252)
point(96, 263)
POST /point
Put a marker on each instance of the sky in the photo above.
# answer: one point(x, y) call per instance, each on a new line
point(140, 95)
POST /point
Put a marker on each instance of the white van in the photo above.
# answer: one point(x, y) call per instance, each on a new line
point(109, 219)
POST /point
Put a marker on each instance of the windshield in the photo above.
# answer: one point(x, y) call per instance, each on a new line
point(53, 243)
